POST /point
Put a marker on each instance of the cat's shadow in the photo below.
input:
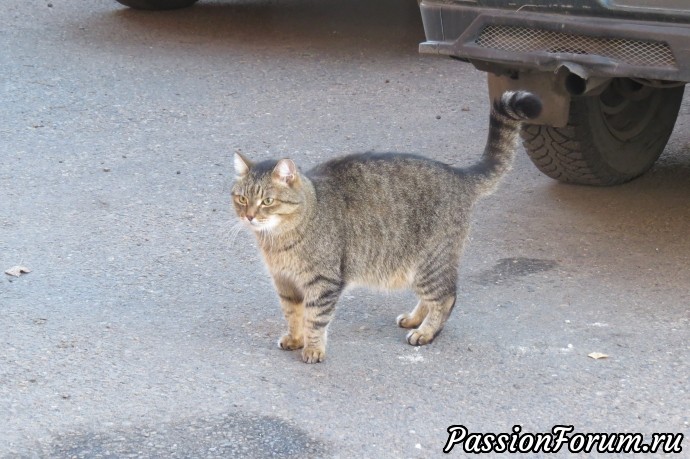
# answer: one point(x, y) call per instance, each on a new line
point(341, 26)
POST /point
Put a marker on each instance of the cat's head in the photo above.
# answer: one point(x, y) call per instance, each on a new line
point(269, 195)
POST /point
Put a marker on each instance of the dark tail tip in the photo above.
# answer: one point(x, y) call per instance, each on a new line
point(519, 105)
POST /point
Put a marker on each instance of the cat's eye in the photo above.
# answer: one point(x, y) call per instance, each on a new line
point(267, 201)
point(242, 200)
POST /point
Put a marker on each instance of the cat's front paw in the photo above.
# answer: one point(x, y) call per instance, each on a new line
point(313, 355)
point(419, 338)
point(290, 343)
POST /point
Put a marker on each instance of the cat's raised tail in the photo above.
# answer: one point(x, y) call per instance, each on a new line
point(507, 115)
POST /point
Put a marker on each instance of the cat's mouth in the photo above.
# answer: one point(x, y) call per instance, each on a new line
point(261, 225)
point(255, 222)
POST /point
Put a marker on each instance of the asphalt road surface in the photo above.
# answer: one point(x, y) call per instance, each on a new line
point(147, 329)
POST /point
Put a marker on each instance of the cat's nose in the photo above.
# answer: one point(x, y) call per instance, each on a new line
point(250, 217)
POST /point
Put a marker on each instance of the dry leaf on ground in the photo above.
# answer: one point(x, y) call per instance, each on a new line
point(597, 355)
point(17, 271)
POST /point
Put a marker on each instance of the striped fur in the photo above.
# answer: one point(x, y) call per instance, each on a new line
point(507, 114)
point(382, 220)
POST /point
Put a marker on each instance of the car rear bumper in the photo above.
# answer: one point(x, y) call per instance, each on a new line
point(501, 40)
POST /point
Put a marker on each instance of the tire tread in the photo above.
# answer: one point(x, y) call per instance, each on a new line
point(570, 155)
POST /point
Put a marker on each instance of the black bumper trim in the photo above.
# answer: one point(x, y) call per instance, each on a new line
point(454, 29)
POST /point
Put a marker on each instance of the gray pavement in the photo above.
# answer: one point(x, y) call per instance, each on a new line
point(147, 328)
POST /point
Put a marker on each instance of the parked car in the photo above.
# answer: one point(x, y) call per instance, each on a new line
point(611, 74)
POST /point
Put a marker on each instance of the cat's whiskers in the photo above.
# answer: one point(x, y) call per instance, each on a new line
point(234, 231)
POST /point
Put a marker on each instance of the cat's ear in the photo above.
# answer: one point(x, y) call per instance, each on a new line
point(285, 172)
point(242, 165)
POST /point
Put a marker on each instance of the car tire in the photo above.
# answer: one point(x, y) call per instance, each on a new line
point(157, 4)
point(610, 138)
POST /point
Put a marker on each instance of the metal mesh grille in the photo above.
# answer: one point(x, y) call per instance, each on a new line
point(523, 39)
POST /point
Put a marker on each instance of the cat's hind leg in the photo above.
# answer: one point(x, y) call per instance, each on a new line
point(414, 318)
point(435, 284)
point(439, 310)
point(292, 304)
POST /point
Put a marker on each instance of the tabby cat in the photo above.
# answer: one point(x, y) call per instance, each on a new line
point(382, 220)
